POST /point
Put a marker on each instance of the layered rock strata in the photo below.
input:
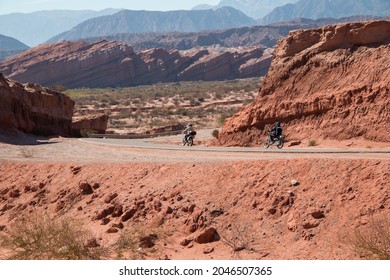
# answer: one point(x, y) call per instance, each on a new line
point(331, 83)
point(31, 108)
point(115, 64)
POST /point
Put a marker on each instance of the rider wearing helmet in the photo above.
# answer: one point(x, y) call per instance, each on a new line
point(276, 131)
point(188, 131)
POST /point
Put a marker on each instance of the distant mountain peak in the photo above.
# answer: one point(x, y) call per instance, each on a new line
point(252, 8)
point(43, 25)
point(316, 9)
point(130, 21)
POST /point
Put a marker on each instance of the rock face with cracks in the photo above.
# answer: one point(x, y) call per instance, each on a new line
point(331, 83)
point(32, 108)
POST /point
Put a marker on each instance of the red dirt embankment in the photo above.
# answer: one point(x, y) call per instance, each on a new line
point(249, 209)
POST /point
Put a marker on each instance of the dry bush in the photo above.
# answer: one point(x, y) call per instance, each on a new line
point(139, 241)
point(86, 132)
point(372, 241)
point(312, 143)
point(45, 238)
point(129, 246)
point(26, 152)
point(215, 133)
point(241, 237)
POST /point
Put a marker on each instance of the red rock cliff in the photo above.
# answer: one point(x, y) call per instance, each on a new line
point(331, 83)
point(34, 109)
point(115, 64)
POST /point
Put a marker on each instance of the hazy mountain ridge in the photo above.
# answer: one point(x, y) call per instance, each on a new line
point(10, 46)
point(37, 27)
point(253, 8)
point(315, 9)
point(253, 36)
point(128, 21)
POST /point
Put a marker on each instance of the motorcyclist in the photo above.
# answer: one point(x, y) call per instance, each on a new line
point(276, 131)
point(188, 131)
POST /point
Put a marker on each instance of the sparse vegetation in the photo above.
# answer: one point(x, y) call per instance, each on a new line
point(206, 103)
point(86, 132)
point(59, 88)
point(136, 243)
point(45, 238)
point(373, 241)
point(26, 152)
point(312, 143)
point(215, 133)
point(240, 237)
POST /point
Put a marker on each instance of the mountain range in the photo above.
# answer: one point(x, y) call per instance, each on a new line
point(128, 21)
point(253, 8)
point(315, 9)
point(53, 26)
point(10, 46)
point(37, 27)
point(115, 64)
point(253, 36)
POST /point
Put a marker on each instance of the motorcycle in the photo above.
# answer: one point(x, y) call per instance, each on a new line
point(277, 140)
point(189, 139)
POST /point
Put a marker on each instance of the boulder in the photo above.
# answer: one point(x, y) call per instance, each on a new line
point(82, 125)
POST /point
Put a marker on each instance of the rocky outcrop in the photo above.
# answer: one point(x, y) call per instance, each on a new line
point(115, 64)
point(331, 83)
point(89, 123)
point(34, 109)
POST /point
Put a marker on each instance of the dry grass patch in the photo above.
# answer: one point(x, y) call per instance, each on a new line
point(26, 152)
point(45, 238)
point(138, 242)
point(373, 240)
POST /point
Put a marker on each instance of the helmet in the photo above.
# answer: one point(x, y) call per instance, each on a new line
point(277, 123)
point(190, 124)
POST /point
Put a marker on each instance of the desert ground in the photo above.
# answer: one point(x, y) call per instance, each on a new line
point(145, 203)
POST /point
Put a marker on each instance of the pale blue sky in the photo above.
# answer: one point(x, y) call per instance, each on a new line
point(27, 6)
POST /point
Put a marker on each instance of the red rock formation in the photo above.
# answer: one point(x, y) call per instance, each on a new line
point(332, 82)
point(34, 109)
point(114, 64)
point(96, 123)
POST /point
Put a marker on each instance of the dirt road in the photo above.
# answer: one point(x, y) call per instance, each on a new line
point(164, 149)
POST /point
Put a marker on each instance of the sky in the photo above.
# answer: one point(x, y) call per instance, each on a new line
point(27, 6)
